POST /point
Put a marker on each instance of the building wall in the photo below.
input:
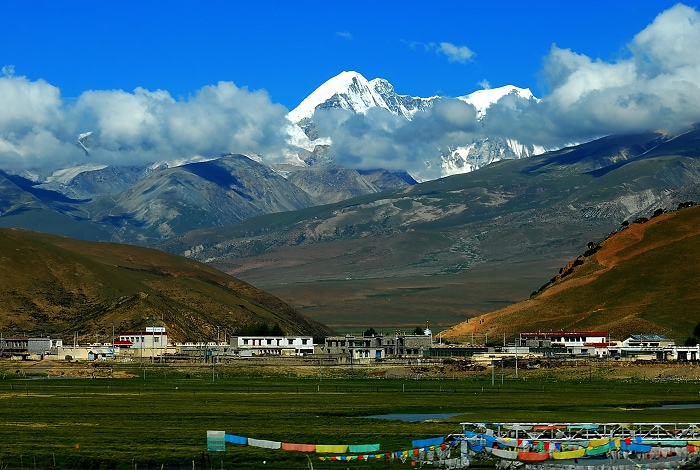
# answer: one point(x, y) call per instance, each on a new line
point(376, 347)
point(273, 345)
point(145, 339)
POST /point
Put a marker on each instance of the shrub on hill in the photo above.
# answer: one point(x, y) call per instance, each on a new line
point(260, 329)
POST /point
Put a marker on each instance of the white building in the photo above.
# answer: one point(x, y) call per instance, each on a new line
point(646, 341)
point(272, 345)
point(587, 343)
point(155, 337)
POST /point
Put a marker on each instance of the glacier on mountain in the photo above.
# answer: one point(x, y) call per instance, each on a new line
point(353, 92)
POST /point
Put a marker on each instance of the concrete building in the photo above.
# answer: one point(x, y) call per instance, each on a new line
point(376, 347)
point(272, 345)
point(24, 347)
point(14, 347)
point(646, 341)
point(685, 353)
point(154, 337)
point(578, 343)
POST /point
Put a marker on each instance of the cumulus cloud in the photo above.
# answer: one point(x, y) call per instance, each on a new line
point(39, 129)
point(454, 53)
point(655, 86)
point(344, 35)
point(380, 139)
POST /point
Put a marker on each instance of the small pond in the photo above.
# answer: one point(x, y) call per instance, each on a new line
point(414, 417)
point(680, 406)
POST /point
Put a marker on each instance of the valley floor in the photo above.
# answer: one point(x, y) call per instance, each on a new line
point(407, 369)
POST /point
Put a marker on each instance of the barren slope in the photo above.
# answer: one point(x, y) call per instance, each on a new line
point(58, 286)
point(642, 279)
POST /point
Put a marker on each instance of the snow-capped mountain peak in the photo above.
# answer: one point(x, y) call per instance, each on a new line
point(341, 83)
point(484, 99)
point(352, 91)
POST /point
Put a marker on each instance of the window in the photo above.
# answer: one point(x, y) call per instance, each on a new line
point(245, 341)
point(303, 341)
point(156, 339)
point(291, 341)
point(269, 341)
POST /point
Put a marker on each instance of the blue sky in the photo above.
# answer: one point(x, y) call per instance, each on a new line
point(175, 81)
point(290, 48)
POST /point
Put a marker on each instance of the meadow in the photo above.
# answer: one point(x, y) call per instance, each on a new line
point(158, 418)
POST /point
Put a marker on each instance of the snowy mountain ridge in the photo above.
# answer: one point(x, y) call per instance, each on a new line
point(482, 100)
point(353, 92)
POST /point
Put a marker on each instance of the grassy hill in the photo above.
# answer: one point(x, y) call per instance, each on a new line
point(58, 286)
point(642, 279)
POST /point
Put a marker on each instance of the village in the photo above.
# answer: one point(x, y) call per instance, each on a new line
point(152, 345)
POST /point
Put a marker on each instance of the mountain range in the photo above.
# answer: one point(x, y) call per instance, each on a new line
point(455, 247)
point(60, 286)
point(640, 279)
point(145, 204)
point(358, 247)
point(352, 92)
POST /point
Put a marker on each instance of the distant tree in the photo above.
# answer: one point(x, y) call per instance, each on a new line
point(418, 331)
point(276, 330)
point(696, 331)
point(260, 329)
point(370, 332)
point(691, 342)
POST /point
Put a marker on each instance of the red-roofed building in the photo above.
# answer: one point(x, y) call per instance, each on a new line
point(154, 337)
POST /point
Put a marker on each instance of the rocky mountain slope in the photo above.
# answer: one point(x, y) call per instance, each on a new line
point(641, 279)
point(455, 247)
point(144, 205)
point(58, 286)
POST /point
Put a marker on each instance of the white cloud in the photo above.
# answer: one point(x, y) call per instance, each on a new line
point(39, 129)
point(454, 53)
point(344, 35)
point(655, 86)
point(380, 139)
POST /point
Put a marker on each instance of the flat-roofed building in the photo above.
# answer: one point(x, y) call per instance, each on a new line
point(587, 343)
point(258, 345)
point(154, 337)
point(376, 346)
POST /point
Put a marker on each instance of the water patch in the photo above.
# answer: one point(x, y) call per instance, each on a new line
point(680, 406)
point(414, 417)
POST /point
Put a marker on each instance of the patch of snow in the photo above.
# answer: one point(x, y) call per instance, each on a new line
point(66, 175)
point(484, 99)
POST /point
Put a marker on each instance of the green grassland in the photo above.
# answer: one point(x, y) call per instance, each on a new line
point(159, 417)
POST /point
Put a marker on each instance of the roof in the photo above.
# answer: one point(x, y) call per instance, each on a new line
point(143, 333)
point(649, 337)
point(566, 333)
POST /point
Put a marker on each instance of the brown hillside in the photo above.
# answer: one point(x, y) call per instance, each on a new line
point(58, 286)
point(642, 279)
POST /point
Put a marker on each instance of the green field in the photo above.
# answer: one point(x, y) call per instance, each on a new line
point(160, 421)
